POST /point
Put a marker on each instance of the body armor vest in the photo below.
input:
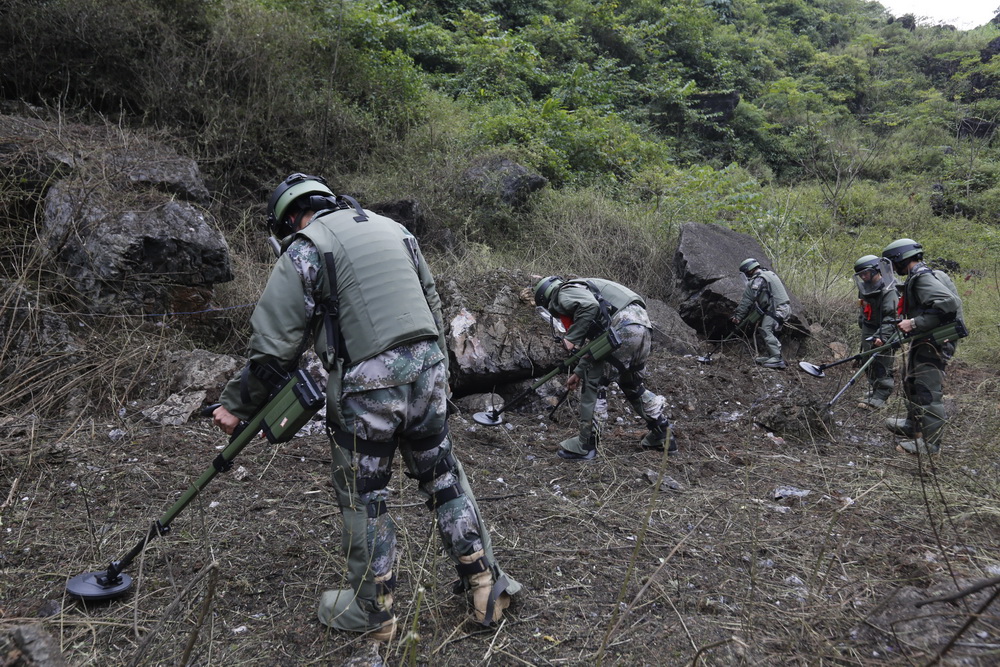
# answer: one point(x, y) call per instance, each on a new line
point(616, 295)
point(381, 301)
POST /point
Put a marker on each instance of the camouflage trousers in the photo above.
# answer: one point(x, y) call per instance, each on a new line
point(922, 386)
point(880, 371)
point(407, 416)
point(626, 367)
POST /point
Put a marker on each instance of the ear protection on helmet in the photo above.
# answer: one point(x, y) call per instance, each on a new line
point(296, 193)
point(544, 289)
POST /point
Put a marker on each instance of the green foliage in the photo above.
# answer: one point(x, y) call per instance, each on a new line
point(700, 194)
point(568, 146)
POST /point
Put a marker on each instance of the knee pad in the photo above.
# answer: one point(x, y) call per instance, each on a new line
point(633, 392)
point(443, 466)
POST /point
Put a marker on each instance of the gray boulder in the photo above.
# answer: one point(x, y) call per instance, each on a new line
point(132, 254)
point(123, 217)
point(504, 179)
point(498, 341)
point(710, 284)
point(670, 331)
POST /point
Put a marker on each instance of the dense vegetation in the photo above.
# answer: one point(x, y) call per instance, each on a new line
point(823, 127)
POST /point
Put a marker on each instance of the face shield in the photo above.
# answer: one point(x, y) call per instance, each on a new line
point(874, 278)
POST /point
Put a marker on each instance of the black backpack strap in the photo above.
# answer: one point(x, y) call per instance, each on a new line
point(607, 310)
point(329, 310)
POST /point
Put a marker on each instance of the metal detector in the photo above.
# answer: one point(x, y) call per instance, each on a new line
point(854, 378)
point(752, 318)
point(945, 332)
point(280, 419)
point(598, 349)
point(817, 371)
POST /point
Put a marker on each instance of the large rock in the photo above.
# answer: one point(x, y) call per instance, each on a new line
point(710, 284)
point(496, 339)
point(123, 220)
point(131, 254)
point(504, 179)
point(670, 331)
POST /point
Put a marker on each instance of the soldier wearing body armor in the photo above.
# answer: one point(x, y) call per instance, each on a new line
point(357, 285)
point(590, 307)
point(929, 299)
point(765, 293)
point(877, 301)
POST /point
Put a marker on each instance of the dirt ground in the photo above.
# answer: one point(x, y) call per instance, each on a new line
point(810, 544)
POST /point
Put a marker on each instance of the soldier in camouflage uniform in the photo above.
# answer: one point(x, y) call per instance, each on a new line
point(877, 300)
point(929, 300)
point(357, 285)
point(591, 306)
point(766, 293)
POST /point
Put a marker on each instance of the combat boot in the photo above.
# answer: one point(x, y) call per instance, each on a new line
point(917, 446)
point(567, 449)
point(774, 362)
point(343, 610)
point(489, 597)
point(871, 403)
point(900, 426)
point(659, 431)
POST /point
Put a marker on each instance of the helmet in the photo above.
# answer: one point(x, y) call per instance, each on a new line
point(866, 262)
point(290, 190)
point(544, 289)
point(901, 250)
point(748, 265)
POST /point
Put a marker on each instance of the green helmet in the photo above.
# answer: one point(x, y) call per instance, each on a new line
point(544, 289)
point(748, 265)
point(866, 262)
point(901, 250)
point(294, 189)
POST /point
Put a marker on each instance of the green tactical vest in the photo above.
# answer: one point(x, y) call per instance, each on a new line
point(777, 291)
point(617, 295)
point(382, 304)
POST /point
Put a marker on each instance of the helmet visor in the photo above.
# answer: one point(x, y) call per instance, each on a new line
point(874, 278)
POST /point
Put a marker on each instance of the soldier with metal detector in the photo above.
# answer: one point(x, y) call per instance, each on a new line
point(877, 301)
point(929, 299)
point(357, 285)
point(593, 308)
point(766, 293)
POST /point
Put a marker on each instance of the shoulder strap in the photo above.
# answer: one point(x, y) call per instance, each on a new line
point(329, 310)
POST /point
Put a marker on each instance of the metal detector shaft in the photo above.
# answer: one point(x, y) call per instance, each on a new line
point(850, 383)
point(294, 403)
point(563, 366)
point(892, 343)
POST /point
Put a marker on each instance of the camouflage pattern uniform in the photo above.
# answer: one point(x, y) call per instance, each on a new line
point(931, 299)
point(626, 364)
point(396, 399)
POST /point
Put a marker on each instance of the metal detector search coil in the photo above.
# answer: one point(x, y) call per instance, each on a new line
point(280, 419)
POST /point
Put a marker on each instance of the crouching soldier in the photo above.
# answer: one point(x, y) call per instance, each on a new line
point(764, 292)
point(592, 307)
